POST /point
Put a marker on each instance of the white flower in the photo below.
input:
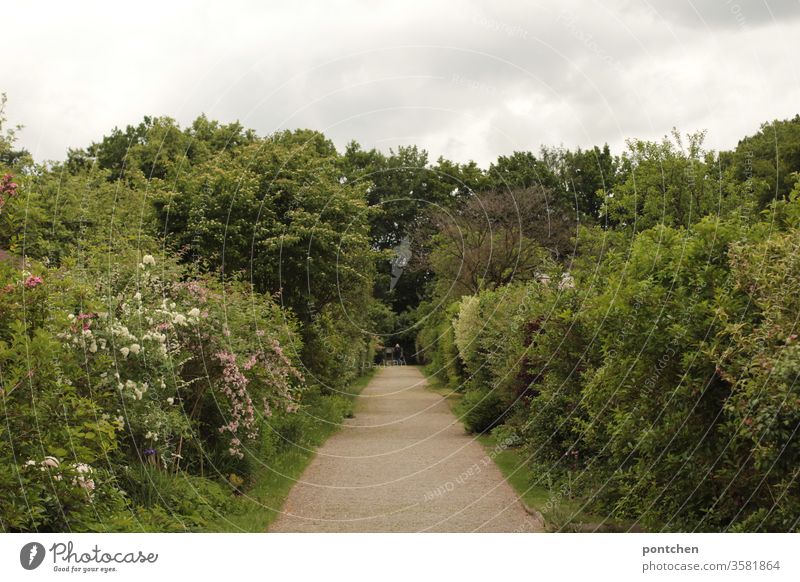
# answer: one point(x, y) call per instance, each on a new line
point(71, 316)
point(82, 479)
point(93, 347)
point(51, 462)
point(130, 384)
point(148, 260)
point(135, 349)
point(194, 312)
point(149, 435)
point(30, 463)
point(170, 401)
point(124, 352)
point(567, 282)
point(138, 296)
point(179, 319)
point(137, 394)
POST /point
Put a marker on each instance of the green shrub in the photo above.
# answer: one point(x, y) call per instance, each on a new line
point(481, 410)
point(190, 501)
point(662, 385)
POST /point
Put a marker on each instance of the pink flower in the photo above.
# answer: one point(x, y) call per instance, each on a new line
point(251, 362)
point(33, 281)
point(7, 189)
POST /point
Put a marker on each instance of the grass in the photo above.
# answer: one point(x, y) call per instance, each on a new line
point(559, 511)
point(271, 482)
point(436, 385)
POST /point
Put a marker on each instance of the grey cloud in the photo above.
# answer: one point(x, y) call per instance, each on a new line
point(468, 80)
point(720, 13)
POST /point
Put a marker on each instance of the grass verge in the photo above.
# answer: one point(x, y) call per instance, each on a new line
point(288, 453)
point(556, 507)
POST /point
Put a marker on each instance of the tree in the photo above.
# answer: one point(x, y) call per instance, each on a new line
point(160, 149)
point(498, 237)
point(9, 156)
point(406, 190)
point(519, 171)
point(582, 176)
point(764, 162)
point(664, 183)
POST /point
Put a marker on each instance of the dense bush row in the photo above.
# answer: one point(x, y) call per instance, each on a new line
point(151, 359)
point(135, 369)
point(179, 306)
point(654, 373)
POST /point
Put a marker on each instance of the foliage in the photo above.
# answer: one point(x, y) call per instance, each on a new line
point(181, 309)
point(481, 410)
point(279, 212)
point(126, 368)
point(57, 437)
point(436, 345)
point(660, 383)
point(664, 183)
point(764, 162)
point(497, 238)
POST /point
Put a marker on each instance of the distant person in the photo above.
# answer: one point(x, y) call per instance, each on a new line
point(398, 354)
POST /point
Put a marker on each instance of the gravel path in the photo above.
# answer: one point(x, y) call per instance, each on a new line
point(402, 464)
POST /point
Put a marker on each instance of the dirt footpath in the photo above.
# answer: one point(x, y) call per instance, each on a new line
point(402, 464)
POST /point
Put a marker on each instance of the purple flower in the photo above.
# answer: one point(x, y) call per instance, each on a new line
point(149, 452)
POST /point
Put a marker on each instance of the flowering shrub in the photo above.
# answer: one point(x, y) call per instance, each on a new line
point(183, 361)
point(276, 370)
point(57, 438)
point(8, 188)
point(141, 364)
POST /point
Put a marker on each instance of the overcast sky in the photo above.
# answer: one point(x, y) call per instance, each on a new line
point(464, 79)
